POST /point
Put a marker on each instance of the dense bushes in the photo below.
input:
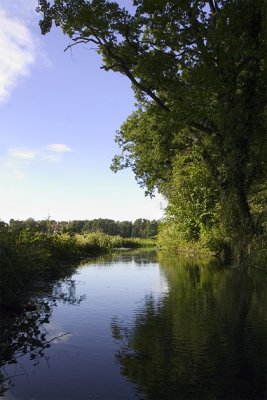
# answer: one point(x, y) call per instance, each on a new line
point(29, 256)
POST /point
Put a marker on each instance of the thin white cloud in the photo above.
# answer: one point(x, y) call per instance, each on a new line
point(16, 159)
point(17, 52)
point(59, 148)
point(22, 153)
point(53, 157)
point(14, 163)
point(56, 151)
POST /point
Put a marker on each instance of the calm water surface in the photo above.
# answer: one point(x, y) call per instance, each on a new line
point(141, 325)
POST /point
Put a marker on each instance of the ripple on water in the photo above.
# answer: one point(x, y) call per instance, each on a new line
point(167, 330)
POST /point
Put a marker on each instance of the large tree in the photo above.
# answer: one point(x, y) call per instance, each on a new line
point(198, 70)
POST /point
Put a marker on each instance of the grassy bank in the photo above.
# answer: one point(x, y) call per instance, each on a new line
point(30, 256)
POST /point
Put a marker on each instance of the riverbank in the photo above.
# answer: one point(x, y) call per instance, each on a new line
point(28, 257)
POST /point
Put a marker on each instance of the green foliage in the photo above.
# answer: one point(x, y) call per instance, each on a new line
point(148, 143)
point(27, 255)
point(137, 242)
point(198, 71)
point(96, 242)
point(125, 229)
point(193, 197)
point(171, 239)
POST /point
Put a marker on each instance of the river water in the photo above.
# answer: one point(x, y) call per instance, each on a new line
point(141, 325)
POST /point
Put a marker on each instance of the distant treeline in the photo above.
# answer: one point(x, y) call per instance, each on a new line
point(140, 228)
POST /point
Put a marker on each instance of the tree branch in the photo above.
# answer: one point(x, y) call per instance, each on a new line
point(201, 127)
point(132, 78)
point(212, 7)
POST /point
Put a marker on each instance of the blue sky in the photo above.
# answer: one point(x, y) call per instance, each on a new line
point(59, 112)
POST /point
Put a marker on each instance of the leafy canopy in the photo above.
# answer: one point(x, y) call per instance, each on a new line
point(198, 70)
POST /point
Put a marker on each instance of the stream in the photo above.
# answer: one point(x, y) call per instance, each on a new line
point(140, 325)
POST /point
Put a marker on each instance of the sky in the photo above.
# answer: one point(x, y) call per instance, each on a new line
point(59, 113)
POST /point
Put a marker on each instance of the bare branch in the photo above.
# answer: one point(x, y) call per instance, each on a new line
point(80, 39)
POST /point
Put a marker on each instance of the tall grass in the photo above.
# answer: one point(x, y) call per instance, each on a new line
point(29, 256)
point(97, 242)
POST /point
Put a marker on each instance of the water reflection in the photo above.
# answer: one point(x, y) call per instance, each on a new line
point(138, 256)
point(24, 331)
point(206, 338)
point(182, 329)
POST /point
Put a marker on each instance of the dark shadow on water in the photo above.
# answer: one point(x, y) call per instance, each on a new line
point(205, 339)
point(23, 330)
point(203, 336)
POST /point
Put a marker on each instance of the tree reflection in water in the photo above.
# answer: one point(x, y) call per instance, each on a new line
point(23, 331)
point(206, 338)
point(139, 256)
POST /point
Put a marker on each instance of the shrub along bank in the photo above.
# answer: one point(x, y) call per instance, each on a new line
point(27, 257)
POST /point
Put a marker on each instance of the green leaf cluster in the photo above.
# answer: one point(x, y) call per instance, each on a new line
point(198, 70)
